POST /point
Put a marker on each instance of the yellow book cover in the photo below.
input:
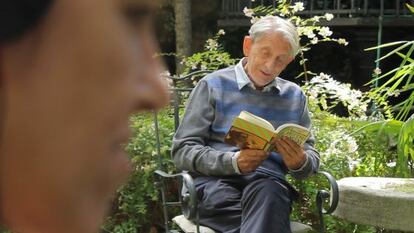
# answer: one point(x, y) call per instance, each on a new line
point(249, 131)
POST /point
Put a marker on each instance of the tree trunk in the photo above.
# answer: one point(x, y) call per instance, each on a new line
point(182, 11)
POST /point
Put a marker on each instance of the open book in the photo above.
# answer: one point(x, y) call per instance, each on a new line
point(249, 131)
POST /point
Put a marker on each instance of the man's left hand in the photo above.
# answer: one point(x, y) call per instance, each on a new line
point(293, 155)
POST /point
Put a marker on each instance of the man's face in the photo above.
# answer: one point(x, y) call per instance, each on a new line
point(267, 57)
point(70, 86)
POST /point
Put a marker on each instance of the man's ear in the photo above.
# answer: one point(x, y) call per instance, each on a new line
point(291, 58)
point(247, 45)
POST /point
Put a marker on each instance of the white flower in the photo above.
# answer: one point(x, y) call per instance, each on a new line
point(248, 12)
point(352, 145)
point(329, 16)
point(315, 18)
point(300, 30)
point(353, 164)
point(203, 67)
point(324, 76)
point(325, 31)
point(211, 44)
point(221, 32)
point(310, 35)
point(342, 41)
point(253, 20)
point(307, 31)
point(392, 164)
point(298, 7)
point(165, 73)
point(395, 93)
point(342, 94)
point(377, 71)
point(314, 40)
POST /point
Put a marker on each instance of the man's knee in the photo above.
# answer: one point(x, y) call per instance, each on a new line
point(267, 191)
point(216, 194)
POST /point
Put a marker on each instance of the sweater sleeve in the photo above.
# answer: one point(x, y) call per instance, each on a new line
point(189, 150)
point(311, 164)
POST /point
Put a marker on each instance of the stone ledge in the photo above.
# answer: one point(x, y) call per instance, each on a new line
point(381, 202)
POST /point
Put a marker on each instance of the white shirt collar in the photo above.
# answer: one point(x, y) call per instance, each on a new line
point(243, 79)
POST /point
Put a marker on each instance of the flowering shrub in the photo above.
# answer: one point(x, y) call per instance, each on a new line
point(344, 142)
point(213, 58)
point(325, 93)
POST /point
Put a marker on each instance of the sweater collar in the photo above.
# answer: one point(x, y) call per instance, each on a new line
point(243, 79)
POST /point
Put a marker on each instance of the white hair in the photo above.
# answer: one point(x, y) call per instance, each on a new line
point(276, 24)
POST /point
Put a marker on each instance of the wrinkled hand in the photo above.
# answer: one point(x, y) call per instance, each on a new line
point(293, 155)
point(249, 160)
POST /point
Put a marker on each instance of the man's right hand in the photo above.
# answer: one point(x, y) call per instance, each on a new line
point(249, 160)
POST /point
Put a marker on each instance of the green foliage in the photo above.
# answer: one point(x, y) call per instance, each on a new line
point(213, 58)
point(137, 206)
point(398, 79)
point(411, 8)
point(405, 163)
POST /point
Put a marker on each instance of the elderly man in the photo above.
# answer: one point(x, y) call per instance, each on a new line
point(246, 190)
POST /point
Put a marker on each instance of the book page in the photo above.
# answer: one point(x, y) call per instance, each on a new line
point(256, 120)
point(296, 133)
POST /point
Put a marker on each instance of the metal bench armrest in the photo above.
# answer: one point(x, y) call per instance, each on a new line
point(188, 195)
point(323, 195)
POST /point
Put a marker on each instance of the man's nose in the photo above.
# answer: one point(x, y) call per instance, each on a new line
point(271, 65)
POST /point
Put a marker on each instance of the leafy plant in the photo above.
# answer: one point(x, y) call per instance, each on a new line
point(405, 162)
point(399, 78)
point(213, 58)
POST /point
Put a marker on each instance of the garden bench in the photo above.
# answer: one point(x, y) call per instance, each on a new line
point(326, 201)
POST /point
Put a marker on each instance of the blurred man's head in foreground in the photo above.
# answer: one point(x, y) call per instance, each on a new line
point(71, 73)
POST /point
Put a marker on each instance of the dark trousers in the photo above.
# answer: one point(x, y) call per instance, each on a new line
point(253, 203)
